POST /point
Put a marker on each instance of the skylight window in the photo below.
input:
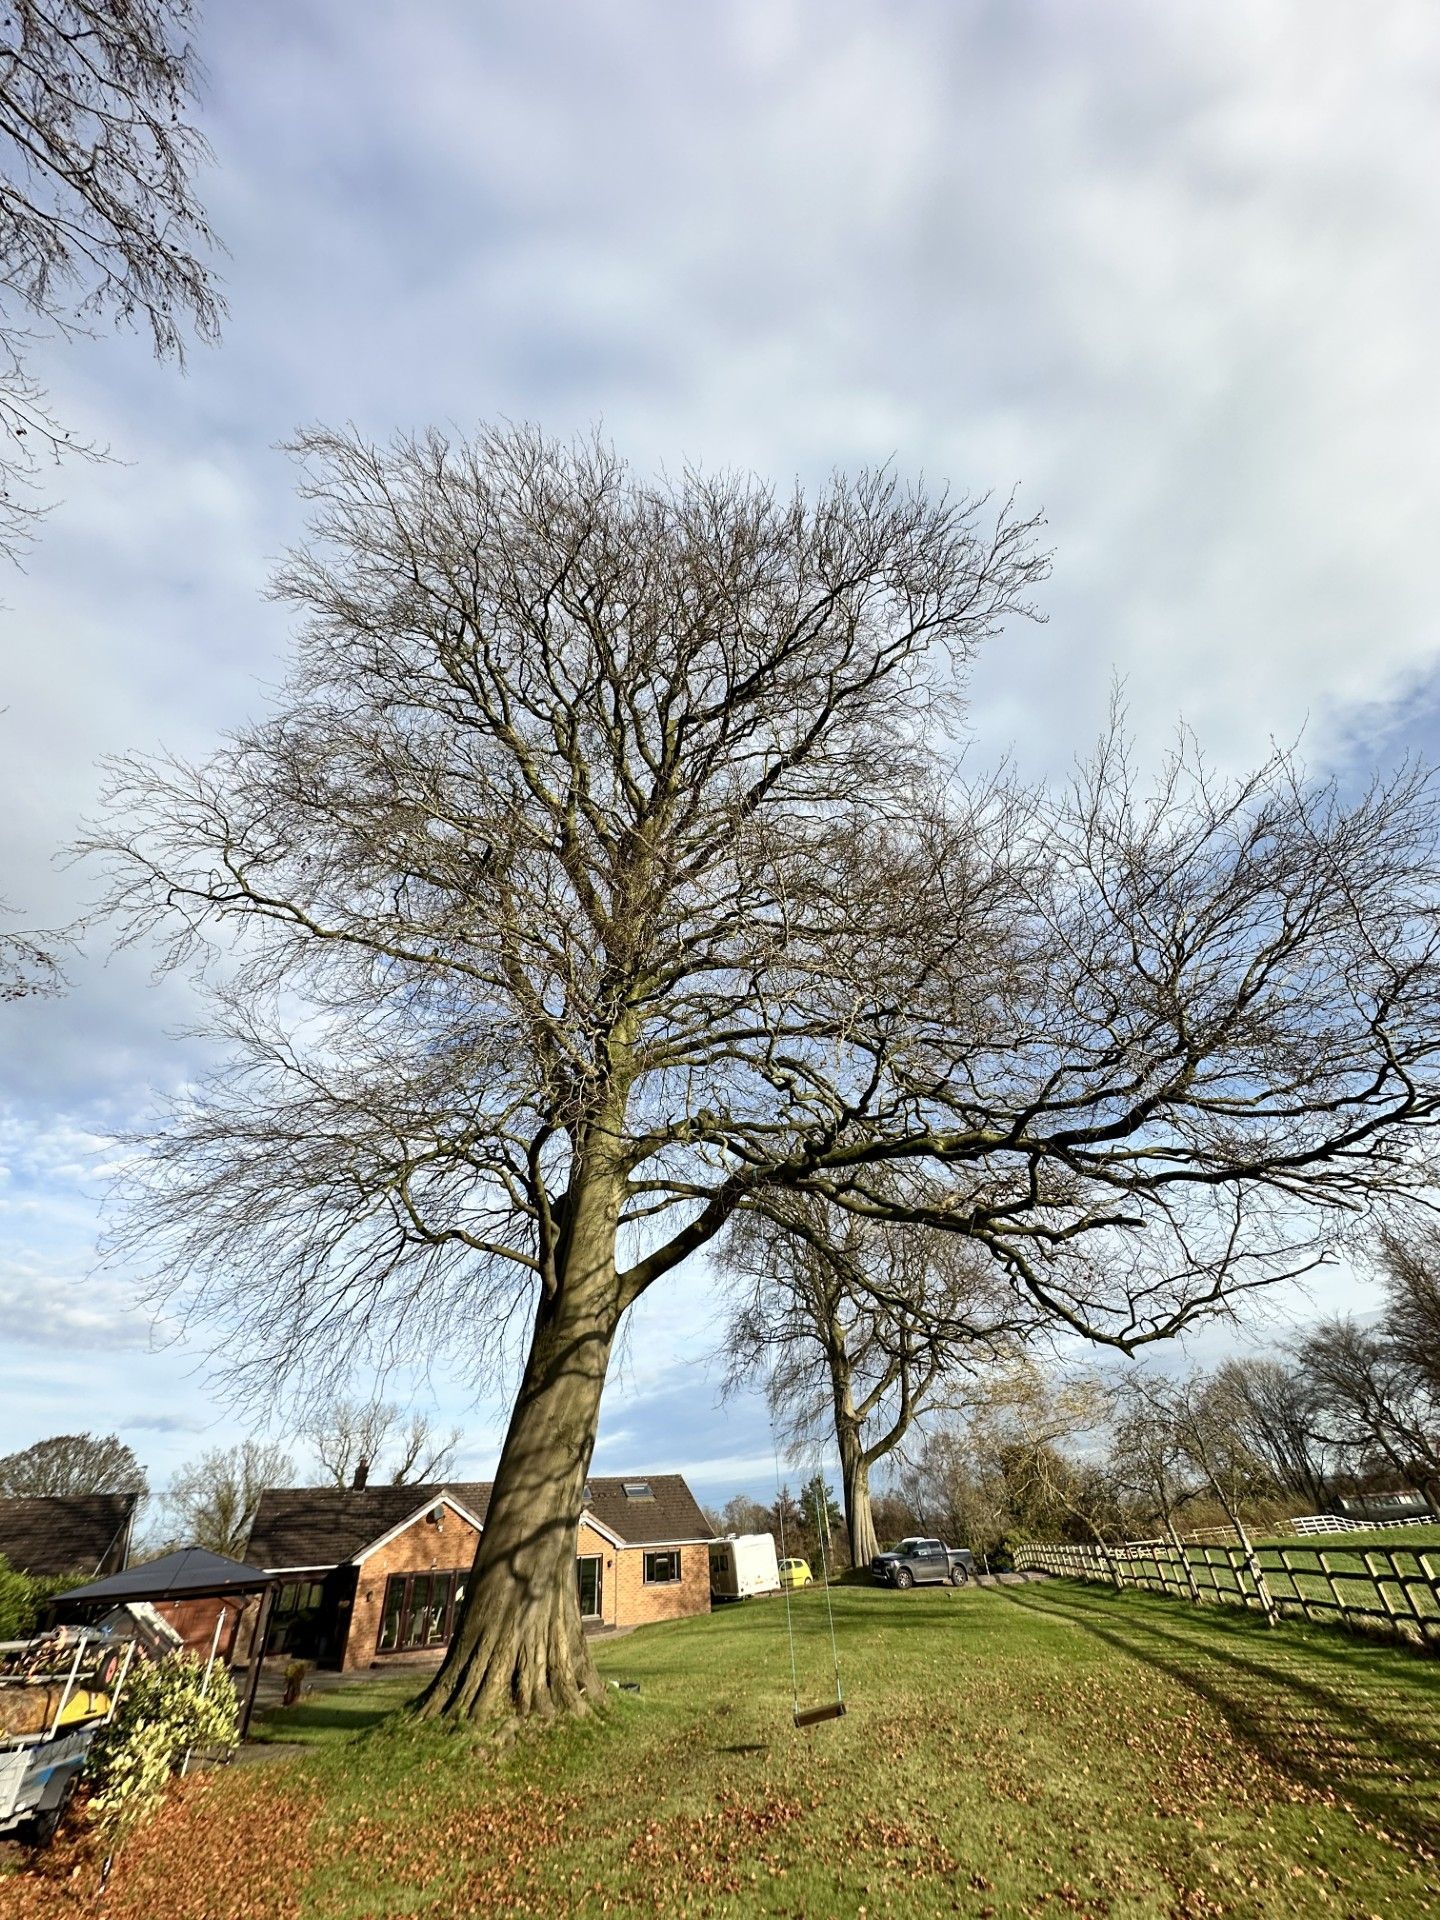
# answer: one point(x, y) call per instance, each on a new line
point(638, 1490)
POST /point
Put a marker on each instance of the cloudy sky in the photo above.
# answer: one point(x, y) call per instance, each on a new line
point(1172, 270)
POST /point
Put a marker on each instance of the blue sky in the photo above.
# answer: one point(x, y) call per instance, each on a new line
point(1174, 270)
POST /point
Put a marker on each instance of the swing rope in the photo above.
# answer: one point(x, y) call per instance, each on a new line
point(784, 1584)
point(810, 1715)
point(824, 1516)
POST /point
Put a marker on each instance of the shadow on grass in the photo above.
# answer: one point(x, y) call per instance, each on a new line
point(313, 1724)
point(1325, 1730)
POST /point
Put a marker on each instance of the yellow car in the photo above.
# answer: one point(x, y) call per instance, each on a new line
point(796, 1573)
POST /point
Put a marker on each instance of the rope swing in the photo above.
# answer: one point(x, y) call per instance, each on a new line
point(832, 1709)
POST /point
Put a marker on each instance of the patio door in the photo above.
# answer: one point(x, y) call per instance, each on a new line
point(590, 1580)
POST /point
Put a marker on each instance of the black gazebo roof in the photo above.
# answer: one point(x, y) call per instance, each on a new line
point(190, 1572)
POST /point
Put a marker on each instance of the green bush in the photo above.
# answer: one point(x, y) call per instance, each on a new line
point(23, 1596)
point(14, 1597)
point(167, 1711)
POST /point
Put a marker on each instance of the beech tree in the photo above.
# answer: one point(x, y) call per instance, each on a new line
point(856, 1328)
point(604, 864)
point(98, 215)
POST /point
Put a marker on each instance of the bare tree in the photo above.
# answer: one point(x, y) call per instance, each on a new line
point(29, 964)
point(1205, 1417)
point(1410, 1262)
point(1375, 1401)
point(742, 1514)
point(856, 1327)
point(1031, 1423)
point(422, 1453)
point(348, 1436)
point(604, 866)
point(957, 1490)
point(98, 217)
point(73, 1463)
point(351, 1437)
point(1147, 1458)
point(211, 1501)
point(1275, 1406)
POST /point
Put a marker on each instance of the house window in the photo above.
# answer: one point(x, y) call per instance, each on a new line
point(662, 1569)
point(638, 1490)
point(588, 1578)
point(298, 1596)
point(420, 1610)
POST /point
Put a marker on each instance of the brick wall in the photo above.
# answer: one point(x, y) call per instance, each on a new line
point(421, 1548)
point(637, 1604)
point(626, 1601)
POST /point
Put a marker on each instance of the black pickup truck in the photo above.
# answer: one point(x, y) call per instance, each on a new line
point(918, 1560)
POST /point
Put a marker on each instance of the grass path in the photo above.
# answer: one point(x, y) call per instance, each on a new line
point(1041, 1751)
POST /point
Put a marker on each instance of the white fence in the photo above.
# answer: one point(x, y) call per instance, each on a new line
point(1307, 1523)
point(1394, 1590)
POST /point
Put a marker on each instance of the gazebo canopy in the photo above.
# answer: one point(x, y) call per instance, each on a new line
point(188, 1573)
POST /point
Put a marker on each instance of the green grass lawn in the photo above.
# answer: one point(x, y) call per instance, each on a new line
point(1047, 1750)
point(1371, 1537)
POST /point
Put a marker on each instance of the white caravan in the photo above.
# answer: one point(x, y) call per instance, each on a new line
point(742, 1566)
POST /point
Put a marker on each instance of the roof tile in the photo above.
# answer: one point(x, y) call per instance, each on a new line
point(49, 1534)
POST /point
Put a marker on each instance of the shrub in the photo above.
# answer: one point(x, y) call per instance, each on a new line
point(14, 1598)
point(166, 1712)
point(23, 1595)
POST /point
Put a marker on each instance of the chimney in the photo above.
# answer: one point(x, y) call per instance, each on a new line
point(362, 1474)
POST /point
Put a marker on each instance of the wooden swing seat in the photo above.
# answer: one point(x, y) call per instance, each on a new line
point(812, 1716)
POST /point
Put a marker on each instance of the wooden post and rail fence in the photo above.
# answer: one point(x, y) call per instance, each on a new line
point(1392, 1590)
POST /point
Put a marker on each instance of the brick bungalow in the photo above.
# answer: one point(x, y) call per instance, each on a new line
point(55, 1535)
point(371, 1574)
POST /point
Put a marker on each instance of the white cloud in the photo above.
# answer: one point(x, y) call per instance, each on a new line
point(44, 1308)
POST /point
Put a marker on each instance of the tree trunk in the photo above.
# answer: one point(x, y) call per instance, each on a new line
point(1252, 1559)
point(855, 1482)
point(1183, 1557)
point(519, 1650)
point(1112, 1564)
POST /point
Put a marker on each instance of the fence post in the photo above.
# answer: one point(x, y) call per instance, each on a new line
point(1432, 1584)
